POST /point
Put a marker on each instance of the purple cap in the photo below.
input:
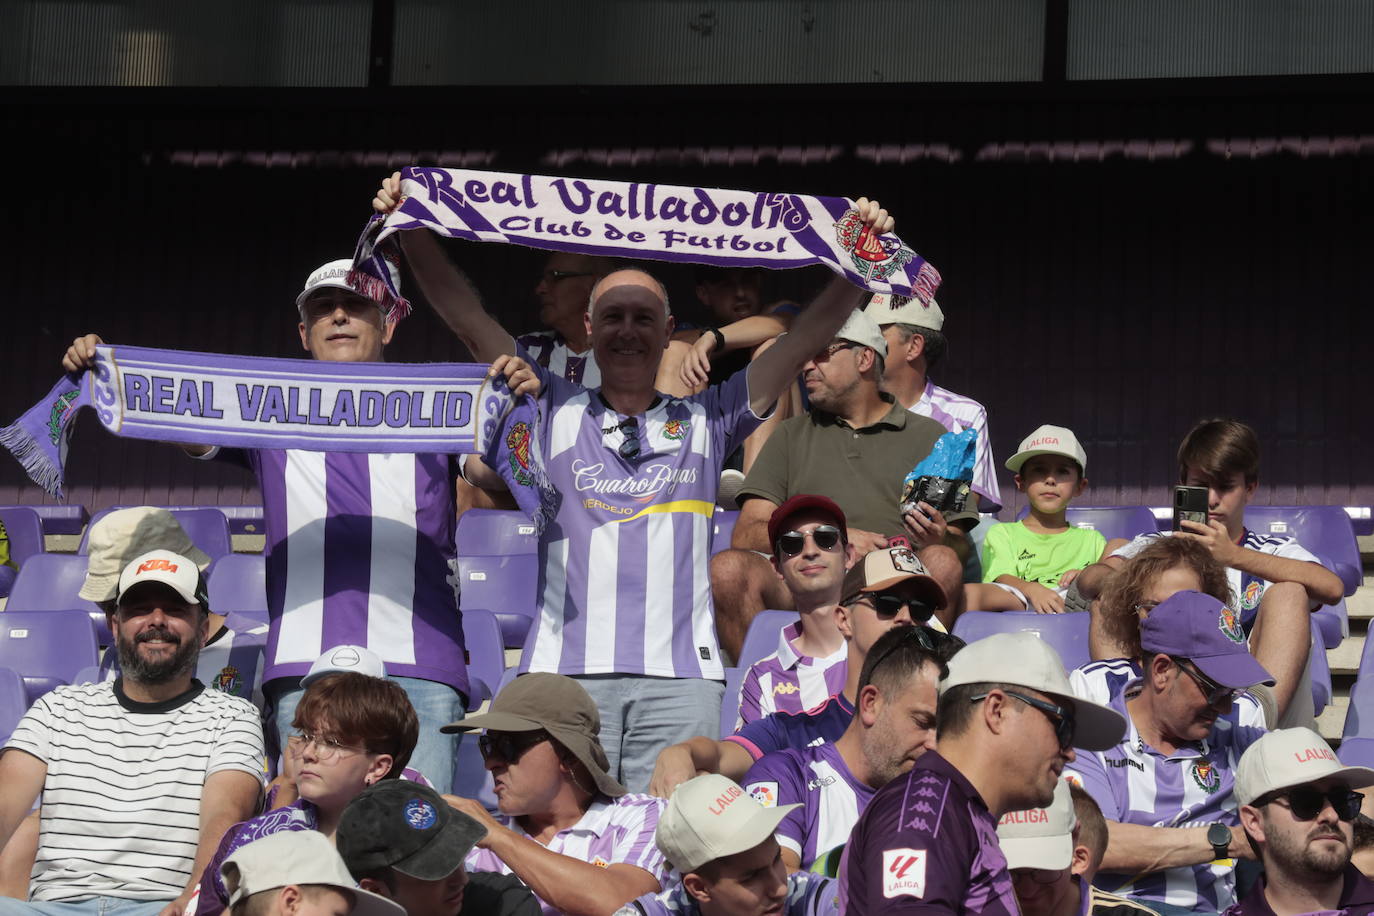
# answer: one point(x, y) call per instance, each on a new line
point(1201, 629)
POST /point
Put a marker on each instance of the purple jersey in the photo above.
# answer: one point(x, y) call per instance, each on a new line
point(927, 844)
point(1135, 784)
point(623, 583)
point(807, 895)
point(1357, 898)
point(788, 681)
point(818, 779)
point(822, 725)
point(360, 551)
point(549, 350)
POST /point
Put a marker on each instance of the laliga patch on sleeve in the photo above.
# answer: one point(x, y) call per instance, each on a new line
point(765, 793)
point(904, 873)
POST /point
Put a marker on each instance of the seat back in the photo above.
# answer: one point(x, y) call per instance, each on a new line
point(495, 533)
point(14, 701)
point(722, 529)
point(1067, 633)
point(1127, 522)
point(762, 637)
point(24, 529)
point(729, 703)
point(486, 655)
point(237, 584)
point(207, 528)
point(1324, 530)
point(46, 648)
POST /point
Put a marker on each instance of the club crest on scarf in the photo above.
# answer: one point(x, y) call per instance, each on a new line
point(675, 429)
point(1205, 775)
point(1229, 625)
point(61, 411)
point(875, 257)
point(518, 444)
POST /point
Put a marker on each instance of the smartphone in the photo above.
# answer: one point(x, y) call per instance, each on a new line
point(1190, 503)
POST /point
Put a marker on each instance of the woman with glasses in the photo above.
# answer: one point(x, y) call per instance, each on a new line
point(350, 731)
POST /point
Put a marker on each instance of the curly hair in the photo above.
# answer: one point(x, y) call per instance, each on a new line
point(1127, 588)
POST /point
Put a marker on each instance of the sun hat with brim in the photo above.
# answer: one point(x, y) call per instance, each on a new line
point(560, 706)
point(406, 826)
point(710, 817)
point(1026, 660)
point(1289, 757)
point(299, 857)
point(1040, 837)
point(880, 570)
point(1205, 631)
point(117, 538)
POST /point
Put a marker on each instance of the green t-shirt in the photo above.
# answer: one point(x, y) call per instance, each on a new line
point(1012, 549)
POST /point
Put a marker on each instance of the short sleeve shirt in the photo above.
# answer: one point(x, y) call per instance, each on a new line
point(927, 843)
point(231, 661)
point(807, 895)
point(821, 725)
point(1012, 549)
point(787, 681)
point(1101, 682)
point(818, 779)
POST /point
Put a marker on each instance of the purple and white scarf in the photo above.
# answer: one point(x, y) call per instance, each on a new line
point(635, 220)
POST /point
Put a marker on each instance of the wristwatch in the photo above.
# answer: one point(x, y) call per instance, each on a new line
point(720, 339)
point(1219, 835)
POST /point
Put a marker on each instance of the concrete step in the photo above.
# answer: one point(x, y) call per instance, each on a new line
point(1360, 606)
point(1345, 658)
point(1331, 722)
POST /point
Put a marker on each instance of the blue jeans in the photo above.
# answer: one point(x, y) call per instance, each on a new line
point(640, 716)
point(435, 705)
point(91, 906)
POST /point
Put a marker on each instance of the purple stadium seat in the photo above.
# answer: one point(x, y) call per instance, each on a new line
point(1320, 671)
point(722, 528)
point(1324, 530)
point(762, 638)
point(495, 533)
point(46, 648)
point(50, 582)
point(207, 528)
point(1068, 633)
point(470, 776)
point(486, 655)
point(1359, 719)
point(25, 531)
point(1110, 521)
point(238, 584)
point(729, 703)
point(1333, 621)
point(14, 701)
point(68, 519)
point(504, 585)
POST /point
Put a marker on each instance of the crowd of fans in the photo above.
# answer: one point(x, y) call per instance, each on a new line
point(878, 763)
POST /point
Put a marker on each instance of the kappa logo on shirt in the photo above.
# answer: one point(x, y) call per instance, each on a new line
point(904, 873)
point(786, 688)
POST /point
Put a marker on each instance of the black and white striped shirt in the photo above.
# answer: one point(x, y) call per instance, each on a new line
point(121, 800)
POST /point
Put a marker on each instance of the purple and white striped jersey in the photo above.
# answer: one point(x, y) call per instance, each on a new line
point(1101, 681)
point(788, 681)
point(613, 831)
point(807, 895)
point(1135, 784)
point(927, 843)
point(957, 413)
point(623, 584)
point(818, 779)
point(1246, 588)
point(360, 551)
point(550, 350)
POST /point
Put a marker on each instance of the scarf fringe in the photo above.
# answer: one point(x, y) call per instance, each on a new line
point(36, 461)
point(376, 289)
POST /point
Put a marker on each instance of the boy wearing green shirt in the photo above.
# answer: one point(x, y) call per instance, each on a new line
point(1031, 563)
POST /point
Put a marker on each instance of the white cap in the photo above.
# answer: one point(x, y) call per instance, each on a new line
point(859, 328)
point(1290, 757)
point(335, 275)
point(297, 857)
point(358, 659)
point(1048, 440)
point(1025, 660)
point(1040, 837)
point(171, 569)
point(118, 537)
point(711, 817)
point(890, 308)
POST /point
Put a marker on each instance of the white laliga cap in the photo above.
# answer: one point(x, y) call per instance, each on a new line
point(358, 659)
point(1040, 837)
point(1025, 660)
point(859, 328)
point(1290, 757)
point(890, 308)
point(171, 569)
point(297, 857)
point(1048, 440)
point(711, 817)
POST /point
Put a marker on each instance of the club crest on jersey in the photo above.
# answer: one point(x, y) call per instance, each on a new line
point(1229, 625)
point(904, 873)
point(765, 793)
point(1205, 775)
point(1250, 599)
point(228, 679)
point(61, 410)
point(676, 429)
point(874, 257)
point(518, 442)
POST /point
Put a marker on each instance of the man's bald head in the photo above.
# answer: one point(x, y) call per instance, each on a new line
point(629, 282)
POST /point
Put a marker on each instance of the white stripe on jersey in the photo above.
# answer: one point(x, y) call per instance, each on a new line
point(839, 810)
point(547, 634)
point(602, 580)
point(703, 625)
point(1140, 784)
point(302, 621)
point(391, 582)
point(567, 422)
point(658, 602)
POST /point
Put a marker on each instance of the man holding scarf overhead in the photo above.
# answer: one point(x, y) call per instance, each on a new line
point(624, 599)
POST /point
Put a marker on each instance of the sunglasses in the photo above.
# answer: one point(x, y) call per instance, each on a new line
point(831, 350)
point(1060, 717)
point(941, 645)
point(509, 746)
point(553, 276)
point(891, 606)
point(629, 445)
point(1212, 692)
point(1306, 802)
point(827, 537)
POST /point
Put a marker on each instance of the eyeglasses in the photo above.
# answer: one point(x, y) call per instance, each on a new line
point(326, 748)
point(831, 350)
point(1212, 692)
point(629, 445)
point(794, 542)
point(1060, 717)
point(509, 746)
point(1038, 875)
point(1145, 607)
point(553, 276)
point(941, 645)
point(1306, 802)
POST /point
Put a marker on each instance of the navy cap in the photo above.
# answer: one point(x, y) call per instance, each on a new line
point(1201, 629)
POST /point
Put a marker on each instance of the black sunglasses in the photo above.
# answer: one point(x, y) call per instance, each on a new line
point(891, 605)
point(629, 445)
point(1060, 717)
point(1212, 692)
point(1306, 802)
point(553, 276)
point(941, 645)
point(794, 542)
point(509, 746)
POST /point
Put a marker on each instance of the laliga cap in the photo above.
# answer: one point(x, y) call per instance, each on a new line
point(334, 275)
point(1048, 440)
point(880, 570)
point(297, 857)
point(1290, 757)
point(803, 502)
point(406, 826)
point(123, 534)
point(710, 817)
point(1025, 660)
point(340, 659)
point(171, 569)
point(889, 308)
point(1040, 837)
point(1201, 629)
point(859, 328)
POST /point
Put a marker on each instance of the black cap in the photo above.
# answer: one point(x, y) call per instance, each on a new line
point(406, 826)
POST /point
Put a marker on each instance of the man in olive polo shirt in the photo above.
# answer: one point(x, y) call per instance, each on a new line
point(855, 446)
